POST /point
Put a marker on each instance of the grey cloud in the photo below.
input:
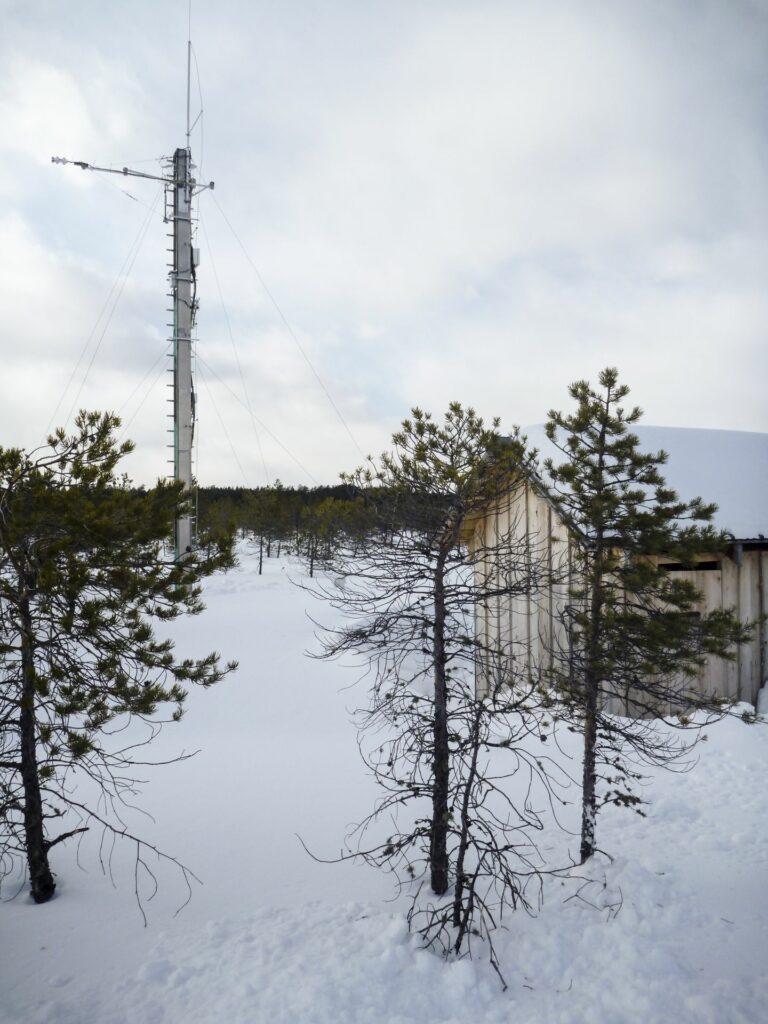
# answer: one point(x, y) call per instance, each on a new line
point(447, 200)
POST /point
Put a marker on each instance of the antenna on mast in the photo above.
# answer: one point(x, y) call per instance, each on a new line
point(189, 65)
point(180, 190)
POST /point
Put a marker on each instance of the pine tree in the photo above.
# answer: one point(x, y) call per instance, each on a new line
point(84, 570)
point(409, 594)
point(633, 630)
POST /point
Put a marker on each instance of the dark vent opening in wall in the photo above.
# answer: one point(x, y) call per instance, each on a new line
point(698, 567)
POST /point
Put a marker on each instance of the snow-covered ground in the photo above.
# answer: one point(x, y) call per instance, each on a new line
point(272, 936)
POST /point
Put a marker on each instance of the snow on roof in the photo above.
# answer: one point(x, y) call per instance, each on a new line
point(729, 467)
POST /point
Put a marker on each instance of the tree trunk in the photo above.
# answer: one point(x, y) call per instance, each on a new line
point(460, 915)
point(40, 876)
point(261, 552)
point(438, 852)
point(594, 673)
point(591, 697)
point(588, 784)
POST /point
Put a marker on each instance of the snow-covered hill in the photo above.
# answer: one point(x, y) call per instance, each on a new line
point(273, 937)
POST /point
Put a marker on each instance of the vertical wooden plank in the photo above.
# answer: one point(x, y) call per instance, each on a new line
point(748, 651)
point(729, 599)
point(516, 602)
point(528, 630)
point(499, 609)
point(539, 621)
point(762, 605)
point(567, 638)
point(478, 544)
point(514, 531)
point(718, 670)
point(505, 618)
point(484, 610)
point(532, 602)
point(565, 568)
point(550, 589)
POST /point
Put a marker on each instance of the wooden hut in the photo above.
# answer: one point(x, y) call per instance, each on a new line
point(727, 467)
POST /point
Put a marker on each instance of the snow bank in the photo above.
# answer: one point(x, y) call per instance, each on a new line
point(644, 956)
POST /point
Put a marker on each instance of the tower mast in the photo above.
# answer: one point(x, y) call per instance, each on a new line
point(183, 293)
point(184, 309)
point(180, 188)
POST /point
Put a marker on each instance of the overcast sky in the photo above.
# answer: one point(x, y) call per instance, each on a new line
point(479, 201)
